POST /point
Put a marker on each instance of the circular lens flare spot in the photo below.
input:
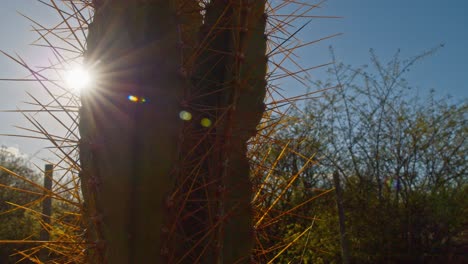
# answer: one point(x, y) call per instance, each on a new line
point(186, 116)
point(78, 78)
point(205, 122)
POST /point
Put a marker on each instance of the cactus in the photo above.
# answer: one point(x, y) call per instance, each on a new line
point(179, 89)
point(156, 188)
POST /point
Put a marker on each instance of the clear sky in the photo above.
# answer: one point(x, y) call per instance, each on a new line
point(385, 25)
point(413, 26)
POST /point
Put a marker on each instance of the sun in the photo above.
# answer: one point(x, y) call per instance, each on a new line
point(78, 78)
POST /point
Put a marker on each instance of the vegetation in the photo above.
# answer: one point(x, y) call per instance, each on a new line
point(15, 223)
point(184, 151)
point(402, 161)
point(163, 190)
point(179, 89)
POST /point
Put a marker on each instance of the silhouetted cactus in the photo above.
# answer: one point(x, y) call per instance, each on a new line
point(159, 189)
point(161, 173)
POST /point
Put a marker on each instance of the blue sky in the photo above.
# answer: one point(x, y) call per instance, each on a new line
point(410, 25)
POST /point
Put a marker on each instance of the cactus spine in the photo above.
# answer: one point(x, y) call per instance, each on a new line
point(159, 189)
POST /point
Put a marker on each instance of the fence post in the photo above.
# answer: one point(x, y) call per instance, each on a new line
point(46, 207)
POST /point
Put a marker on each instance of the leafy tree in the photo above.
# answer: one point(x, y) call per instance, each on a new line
point(402, 160)
point(16, 223)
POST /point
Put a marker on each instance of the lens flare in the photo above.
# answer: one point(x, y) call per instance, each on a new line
point(206, 122)
point(132, 98)
point(186, 116)
point(136, 99)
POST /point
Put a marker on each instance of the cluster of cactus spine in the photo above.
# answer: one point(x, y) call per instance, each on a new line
point(159, 189)
point(161, 175)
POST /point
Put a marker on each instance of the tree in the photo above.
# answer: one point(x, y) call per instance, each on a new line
point(402, 160)
point(16, 223)
point(22, 223)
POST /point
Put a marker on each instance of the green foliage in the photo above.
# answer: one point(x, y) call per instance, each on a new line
point(15, 223)
point(403, 164)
